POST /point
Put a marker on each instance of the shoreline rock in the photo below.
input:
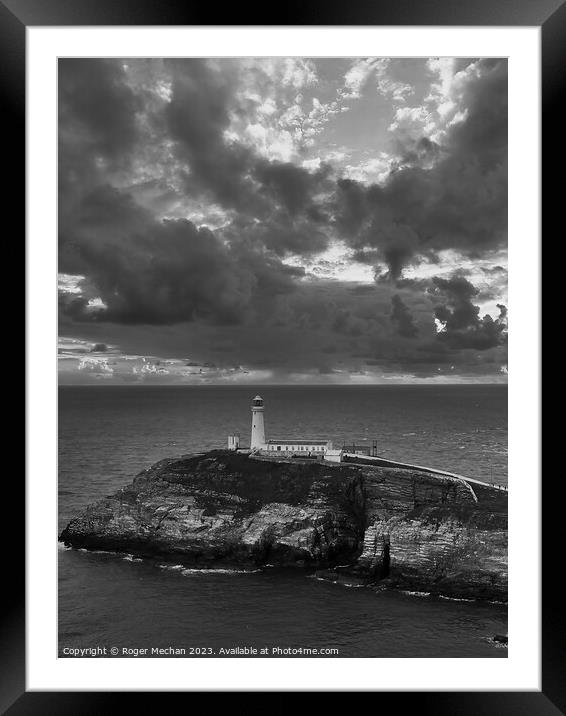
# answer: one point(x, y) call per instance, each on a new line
point(372, 525)
point(501, 639)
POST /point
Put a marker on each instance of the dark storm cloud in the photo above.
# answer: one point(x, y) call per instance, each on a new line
point(469, 344)
point(290, 185)
point(362, 290)
point(96, 105)
point(459, 203)
point(348, 323)
point(104, 217)
point(402, 318)
point(415, 284)
point(353, 201)
point(162, 272)
point(197, 117)
point(98, 130)
point(462, 325)
point(143, 269)
point(482, 137)
point(279, 234)
point(98, 123)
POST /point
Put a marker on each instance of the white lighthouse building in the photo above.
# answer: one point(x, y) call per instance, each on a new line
point(284, 447)
point(258, 427)
point(296, 446)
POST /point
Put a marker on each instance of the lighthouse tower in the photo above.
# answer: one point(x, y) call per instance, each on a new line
point(258, 428)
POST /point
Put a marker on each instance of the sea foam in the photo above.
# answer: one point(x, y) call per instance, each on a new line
point(219, 571)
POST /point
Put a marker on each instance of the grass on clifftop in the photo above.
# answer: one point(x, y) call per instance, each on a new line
point(257, 482)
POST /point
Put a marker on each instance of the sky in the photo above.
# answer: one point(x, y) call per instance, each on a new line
point(282, 220)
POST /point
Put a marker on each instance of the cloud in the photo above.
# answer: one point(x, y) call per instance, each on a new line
point(99, 367)
point(96, 104)
point(197, 118)
point(278, 111)
point(288, 184)
point(449, 197)
point(163, 272)
point(377, 72)
point(358, 76)
point(223, 210)
point(98, 125)
point(402, 318)
point(387, 86)
point(315, 325)
point(461, 325)
point(200, 116)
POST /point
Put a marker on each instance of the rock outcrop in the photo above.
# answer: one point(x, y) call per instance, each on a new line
point(374, 524)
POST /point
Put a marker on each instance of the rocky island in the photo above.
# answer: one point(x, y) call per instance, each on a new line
point(377, 525)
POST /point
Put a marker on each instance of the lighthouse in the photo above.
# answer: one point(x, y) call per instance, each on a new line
point(258, 428)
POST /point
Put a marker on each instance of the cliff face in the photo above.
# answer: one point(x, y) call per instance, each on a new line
point(408, 528)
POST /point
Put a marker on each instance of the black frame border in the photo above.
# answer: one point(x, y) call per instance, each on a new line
point(550, 15)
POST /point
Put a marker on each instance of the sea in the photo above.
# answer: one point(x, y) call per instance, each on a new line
point(129, 606)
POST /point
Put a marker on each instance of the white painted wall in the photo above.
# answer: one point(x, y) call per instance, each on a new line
point(233, 442)
point(333, 455)
point(258, 428)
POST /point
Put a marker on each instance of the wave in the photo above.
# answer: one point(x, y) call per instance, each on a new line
point(61, 547)
point(131, 558)
point(455, 599)
point(350, 585)
point(172, 567)
point(415, 594)
point(205, 570)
